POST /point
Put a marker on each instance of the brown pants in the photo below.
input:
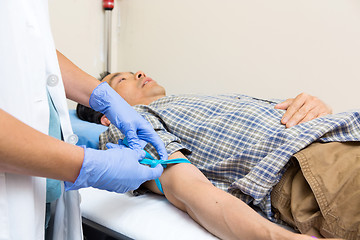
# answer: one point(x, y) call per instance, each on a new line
point(320, 192)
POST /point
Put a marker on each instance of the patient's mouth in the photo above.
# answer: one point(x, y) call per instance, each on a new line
point(147, 80)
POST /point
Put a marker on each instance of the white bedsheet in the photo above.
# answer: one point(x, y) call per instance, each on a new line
point(144, 217)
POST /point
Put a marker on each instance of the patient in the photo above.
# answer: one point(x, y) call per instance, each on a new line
point(266, 153)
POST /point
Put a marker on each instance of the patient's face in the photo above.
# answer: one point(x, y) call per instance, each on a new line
point(135, 88)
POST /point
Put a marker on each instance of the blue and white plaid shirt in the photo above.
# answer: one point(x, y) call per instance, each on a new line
point(238, 142)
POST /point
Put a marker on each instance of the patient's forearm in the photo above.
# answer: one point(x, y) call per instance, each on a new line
point(219, 212)
point(23, 150)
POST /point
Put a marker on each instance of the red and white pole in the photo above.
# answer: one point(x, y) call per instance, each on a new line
point(108, 6)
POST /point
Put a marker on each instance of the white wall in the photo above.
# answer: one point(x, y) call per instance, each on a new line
point(262, 48)
point(78, 30)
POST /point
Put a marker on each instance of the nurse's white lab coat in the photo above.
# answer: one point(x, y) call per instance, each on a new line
point(28, 69)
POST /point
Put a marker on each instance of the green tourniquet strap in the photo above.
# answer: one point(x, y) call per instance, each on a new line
point(149, 160)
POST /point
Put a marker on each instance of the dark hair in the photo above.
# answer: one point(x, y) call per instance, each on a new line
point(103, 75)
point(88, 114)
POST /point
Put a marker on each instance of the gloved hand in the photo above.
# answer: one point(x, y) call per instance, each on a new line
point(106, 100)
point(116, 169)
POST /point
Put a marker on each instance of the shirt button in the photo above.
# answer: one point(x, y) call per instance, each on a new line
point(52, 80)
point(72, 139)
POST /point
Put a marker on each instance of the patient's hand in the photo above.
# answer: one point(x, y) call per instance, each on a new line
point(302, 108)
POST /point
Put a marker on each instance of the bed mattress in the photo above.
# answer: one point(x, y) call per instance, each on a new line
point(145, 217)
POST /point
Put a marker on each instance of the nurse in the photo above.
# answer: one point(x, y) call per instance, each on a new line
point(35, 81)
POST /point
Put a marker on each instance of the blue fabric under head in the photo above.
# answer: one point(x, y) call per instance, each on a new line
point(87, 132)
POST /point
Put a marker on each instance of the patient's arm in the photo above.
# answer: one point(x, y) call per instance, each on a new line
point(302, 108)
point(219, 212)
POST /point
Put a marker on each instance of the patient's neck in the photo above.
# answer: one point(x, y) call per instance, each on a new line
point(148, 100)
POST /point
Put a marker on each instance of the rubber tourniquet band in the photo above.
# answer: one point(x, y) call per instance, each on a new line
point(152, 162)
point(149, 160)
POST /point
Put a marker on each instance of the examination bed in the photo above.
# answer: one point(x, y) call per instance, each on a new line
point(108, 215)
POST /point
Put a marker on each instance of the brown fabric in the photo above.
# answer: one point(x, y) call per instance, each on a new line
point(320, 192)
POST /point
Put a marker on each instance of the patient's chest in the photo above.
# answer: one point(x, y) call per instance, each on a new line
point(218, 126)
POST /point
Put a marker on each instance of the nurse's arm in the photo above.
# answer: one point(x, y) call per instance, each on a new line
point(26, 151)
point(78, 84)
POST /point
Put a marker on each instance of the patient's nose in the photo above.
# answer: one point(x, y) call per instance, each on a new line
point(139, 75)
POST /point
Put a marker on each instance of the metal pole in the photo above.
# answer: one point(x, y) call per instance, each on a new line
point(108, 7)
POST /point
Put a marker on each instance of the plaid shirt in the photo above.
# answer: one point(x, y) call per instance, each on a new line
point(237, 141)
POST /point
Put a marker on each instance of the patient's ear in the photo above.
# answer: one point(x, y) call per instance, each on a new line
point(104, 121)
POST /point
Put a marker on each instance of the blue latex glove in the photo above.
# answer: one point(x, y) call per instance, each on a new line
point(106, 100)
point(116, 169)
